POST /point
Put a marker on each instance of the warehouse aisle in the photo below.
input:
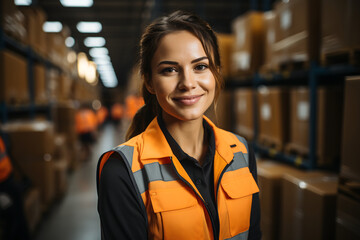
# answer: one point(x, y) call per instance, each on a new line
point(75, 217)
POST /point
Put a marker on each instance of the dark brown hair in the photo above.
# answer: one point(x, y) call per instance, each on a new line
point(150, 39)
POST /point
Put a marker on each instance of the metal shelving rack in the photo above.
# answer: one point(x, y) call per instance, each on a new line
point(313, 77)
point(32, 57)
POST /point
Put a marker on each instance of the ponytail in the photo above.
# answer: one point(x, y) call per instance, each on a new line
point(144, 115)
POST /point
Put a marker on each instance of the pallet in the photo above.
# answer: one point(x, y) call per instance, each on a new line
point(347, 56)
point(271, 143)
point(293, 65)
point(297, 150)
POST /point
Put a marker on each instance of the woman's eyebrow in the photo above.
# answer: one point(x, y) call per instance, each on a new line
point(168, 62)
point(199, 59)
point(176, 63)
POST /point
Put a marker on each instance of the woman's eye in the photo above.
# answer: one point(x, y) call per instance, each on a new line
point(201, 67)
point(168, 70)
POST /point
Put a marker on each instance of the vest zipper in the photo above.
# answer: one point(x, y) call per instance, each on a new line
point(206, 205)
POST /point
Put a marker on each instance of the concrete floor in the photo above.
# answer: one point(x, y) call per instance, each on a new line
point(75, 216)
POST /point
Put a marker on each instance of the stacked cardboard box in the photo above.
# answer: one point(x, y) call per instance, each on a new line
point(32, 148)
point(270, 37)
point(32, 208)
point(297, 31)
point(248, 53)
point(273, 112)
point(328, 129)
point(339, 29)
point(244, 112)
point(226, 48)
point(14, 88)
point(308, 206)
point(40, 90)
point(12, 21)
point(34, 20)
point(270, 177)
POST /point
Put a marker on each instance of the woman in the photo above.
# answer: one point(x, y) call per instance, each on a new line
point(178, 176)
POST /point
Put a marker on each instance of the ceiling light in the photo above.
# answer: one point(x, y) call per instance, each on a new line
point(69, 42)
point(77, 3)
point(102, 61)
point(54, 26)
point(82, 64)
point(89, 27)
point(23, 2)
point(94, 41)
point(96, 52)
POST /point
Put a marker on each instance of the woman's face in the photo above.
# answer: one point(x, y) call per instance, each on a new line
point(181, 77)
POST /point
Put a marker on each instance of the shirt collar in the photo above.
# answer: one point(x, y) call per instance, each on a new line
point(155, 144)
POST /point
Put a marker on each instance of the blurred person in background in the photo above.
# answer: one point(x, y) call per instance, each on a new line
point(86, 127)
point(117, 113)
point(13, 224)
point(179, 176)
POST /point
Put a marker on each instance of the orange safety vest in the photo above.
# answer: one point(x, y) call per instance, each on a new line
point(5, 164)
point(174, 206)
point(85, 121)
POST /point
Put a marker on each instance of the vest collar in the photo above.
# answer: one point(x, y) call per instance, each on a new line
point(155, 144)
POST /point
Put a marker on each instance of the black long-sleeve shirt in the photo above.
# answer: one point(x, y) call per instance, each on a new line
point(120, 213)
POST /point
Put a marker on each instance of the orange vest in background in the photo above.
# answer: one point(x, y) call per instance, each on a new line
point(85, 121)
point(133, 104)
point(5, 164)
point(117, 111)
point(101, 115)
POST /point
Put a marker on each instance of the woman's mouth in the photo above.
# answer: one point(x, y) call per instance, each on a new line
point(188, 100)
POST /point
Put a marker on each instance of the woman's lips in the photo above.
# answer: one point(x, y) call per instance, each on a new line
point(188, 100)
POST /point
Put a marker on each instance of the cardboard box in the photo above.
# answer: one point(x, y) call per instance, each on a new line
point(30, 140)
point(248, 53)
point(269, 41)
point(297, 29)
point(273, 114)
point(350, 151)
point(40, 93)
point(224, 117)
point(14, 88)
point(347, 218)
point(64, 121)
point(42, 175)
point(244, 112)
point(61, 178)
point(340, 25)
point(270, 174)
point(328, 127)
point(35, 18)
point(32, 208)
point(12, 21)
point(226, 44)
point(308, 206)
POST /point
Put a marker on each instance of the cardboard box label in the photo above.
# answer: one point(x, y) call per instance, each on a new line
point(303, 110)
point(266, 112)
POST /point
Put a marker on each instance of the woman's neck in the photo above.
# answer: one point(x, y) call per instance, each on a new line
point(189, 135)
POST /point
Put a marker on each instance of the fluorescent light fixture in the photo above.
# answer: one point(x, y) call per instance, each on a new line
point(23, 2)
point(52, 26)
point(102, 61)
point(90, 75)
point(94, 41)
point(82, 64)
point(77, 3)
point(69, 42)
point(89, 27)
point(96, 52)
point(108, 76)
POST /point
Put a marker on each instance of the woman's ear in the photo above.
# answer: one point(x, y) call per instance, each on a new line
point(148, 85)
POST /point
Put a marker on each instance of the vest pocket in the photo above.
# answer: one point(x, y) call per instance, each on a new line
point(239, 186)
point(179, 212)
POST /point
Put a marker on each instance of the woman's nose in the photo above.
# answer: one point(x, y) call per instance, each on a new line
point(187, 80)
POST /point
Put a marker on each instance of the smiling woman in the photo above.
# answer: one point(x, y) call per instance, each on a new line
point(179, 176)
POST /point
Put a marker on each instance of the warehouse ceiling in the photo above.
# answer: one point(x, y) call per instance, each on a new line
point(123, 21)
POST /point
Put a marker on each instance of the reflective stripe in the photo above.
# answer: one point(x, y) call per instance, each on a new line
point(127, 151)
point(239, 162)
point(240, 236)
point(151, 172)
point(154, 172)
point(243, 141)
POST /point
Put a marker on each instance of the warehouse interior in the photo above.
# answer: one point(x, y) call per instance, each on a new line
point(291, 70)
